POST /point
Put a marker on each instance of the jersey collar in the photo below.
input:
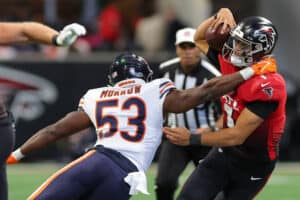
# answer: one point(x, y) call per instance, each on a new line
point(130, 82)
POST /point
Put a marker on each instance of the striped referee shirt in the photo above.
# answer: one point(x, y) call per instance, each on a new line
point(202, 116)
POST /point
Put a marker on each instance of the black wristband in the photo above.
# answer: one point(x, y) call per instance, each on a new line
point(54, 40)
point(195, 139)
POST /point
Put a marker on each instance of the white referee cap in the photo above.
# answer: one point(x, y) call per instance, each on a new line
point(185, 35)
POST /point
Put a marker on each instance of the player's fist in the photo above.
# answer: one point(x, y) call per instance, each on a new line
point(12, 160)
point(267, 65)
point(69, 34)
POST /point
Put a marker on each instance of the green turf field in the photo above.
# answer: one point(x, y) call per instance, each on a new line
point(25, 178)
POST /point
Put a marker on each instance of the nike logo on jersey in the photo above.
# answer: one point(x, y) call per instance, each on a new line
point(265, 84)
point(255, 178)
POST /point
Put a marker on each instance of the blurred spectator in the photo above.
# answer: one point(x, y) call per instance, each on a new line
point(90, 9)
point(173, 25)
point(156, 30)
point(167, 17)
point(189, 12)
point(110, 25)
point(117, 22)
point(50, 12)
point(150, 33)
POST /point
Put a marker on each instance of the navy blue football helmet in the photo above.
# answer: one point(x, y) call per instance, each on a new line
point(129, 65)
point(251, 40)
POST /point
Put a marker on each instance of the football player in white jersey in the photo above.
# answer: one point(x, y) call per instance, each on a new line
point(128, 119)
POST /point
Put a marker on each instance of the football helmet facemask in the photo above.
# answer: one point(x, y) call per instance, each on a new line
point(129, 65)
point(251, 40)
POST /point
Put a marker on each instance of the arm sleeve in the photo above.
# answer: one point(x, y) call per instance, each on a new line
point(262, 108)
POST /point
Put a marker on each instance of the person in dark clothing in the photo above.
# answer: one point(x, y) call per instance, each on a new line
point(20, 33)
point(186, 71)
point(253, 115)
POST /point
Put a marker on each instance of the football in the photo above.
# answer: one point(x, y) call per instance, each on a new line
point(216, 39)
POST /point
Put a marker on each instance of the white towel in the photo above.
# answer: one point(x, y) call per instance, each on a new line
point(137, 182)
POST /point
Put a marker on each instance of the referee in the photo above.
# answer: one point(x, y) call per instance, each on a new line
point(186, 71)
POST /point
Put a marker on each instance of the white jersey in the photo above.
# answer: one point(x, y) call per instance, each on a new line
point(129, 117)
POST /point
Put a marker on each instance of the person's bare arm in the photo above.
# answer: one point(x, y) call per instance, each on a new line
point(13, 32)
point(70, 124)
point(245, 125)
point(26, 32)
point(224, 16)
point(182, 100)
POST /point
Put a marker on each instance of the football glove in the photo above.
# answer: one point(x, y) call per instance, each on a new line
point(69, 34)
point(15, 157)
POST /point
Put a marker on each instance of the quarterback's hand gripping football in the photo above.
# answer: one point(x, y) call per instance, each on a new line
point(69, 34)
point(15, 157)
point(267, 65)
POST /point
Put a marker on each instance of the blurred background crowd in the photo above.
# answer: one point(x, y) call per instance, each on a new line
point(149, 26)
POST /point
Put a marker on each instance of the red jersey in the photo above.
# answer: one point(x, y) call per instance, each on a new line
point(262, 144)
point(110, 23)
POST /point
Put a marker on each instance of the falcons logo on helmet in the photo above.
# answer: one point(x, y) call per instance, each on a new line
point(266, 36)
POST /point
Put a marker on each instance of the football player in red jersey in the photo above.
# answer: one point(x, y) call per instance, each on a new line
point(253, 116)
